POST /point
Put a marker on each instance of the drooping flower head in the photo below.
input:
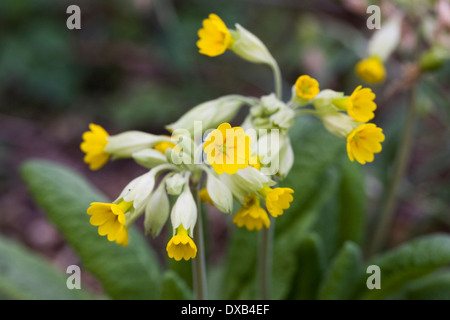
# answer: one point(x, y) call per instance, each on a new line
point(306, 87)
point(93, 145)
point(371, 70)
point(110, 219)
point(214, 36)
point(251, 215)
point(181, 246)
point(363, 142)
point(277, 199)
point(360, 105)
point(228, 149)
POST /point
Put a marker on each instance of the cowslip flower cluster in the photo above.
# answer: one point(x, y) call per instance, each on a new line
point(224, 156)
point(172, 169)
point(207, 159)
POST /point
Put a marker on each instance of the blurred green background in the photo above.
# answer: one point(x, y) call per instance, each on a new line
point(134, 65)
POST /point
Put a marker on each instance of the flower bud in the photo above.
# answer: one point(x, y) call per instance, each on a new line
point(249, 47)
point(270, 113)
point(286, 156)
point(149, 158)
point(324, 100)
point(210, 114)
point(184, 212)
point(245, 182)
point(385, 40)
point(219, 194)
point(156, 211)
point(175, 183)
point(123, 145)
point(434, 58)
point(338, 123)
point(140, 188)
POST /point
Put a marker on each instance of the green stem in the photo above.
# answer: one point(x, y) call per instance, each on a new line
point(266, 241)
point(277, 79)
point(387, 213)
point(198, 263)
point(265, 260)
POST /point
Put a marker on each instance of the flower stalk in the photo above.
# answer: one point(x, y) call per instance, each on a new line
point(402, 160)
point(199, 263)
point(267, 234)
point(265, 260)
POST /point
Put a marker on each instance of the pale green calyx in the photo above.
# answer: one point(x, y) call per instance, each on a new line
point(123, 145)
point(250, 47)
point(210, 114)
point(175, 183)
point(184, 211)
point(157, 211)
point(220, 195)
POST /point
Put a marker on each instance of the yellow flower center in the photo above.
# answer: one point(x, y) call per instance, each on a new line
point(306, 87)
point(124, 205)
point(228, 149)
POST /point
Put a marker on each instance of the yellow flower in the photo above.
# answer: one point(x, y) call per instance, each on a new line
point(214, 36)
point(163, 146)
point(228, 149)
point(277, 199)
point(363, 142)
point(306, 87)
point(181, 246)
point(204, 196)
point(251, 215)
point(360, 104)
point(371, 70)
point(110, 219)
point(254, 162)
point(93, 145)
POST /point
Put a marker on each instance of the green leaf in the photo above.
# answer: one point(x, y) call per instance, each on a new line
point(409, 262)
point(132, 272)
point(432, 287)
point(240, 265)
point(310, 263)
point(288, 239)
point(174, 287)
point(315, 151)
point(352, 204)
point(341, 275)
point(26, 275)
point(315, 178)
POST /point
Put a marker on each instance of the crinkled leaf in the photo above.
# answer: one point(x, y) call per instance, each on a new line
point(26, 275)
point(411, 261)
point(130, 272)
point(341, 276)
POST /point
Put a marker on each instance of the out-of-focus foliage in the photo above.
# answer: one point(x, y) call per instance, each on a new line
point(134, 65)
